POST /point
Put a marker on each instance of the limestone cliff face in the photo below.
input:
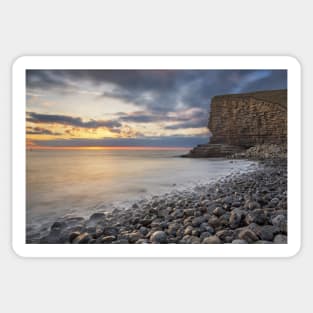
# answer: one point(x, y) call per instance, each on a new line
point(249, 119)
point(239, 121)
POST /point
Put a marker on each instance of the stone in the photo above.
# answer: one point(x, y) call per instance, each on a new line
point(172, 229)
point(141, 241)
point(219, 211)
point(273, 203)
point(256, 216)
point(263, 242)
point(158, 237)
point(239, 241)
point(280, 221)
point(252, 205)
point(236, 204)
point(205, 227)
point(188, 230)
point(107, 239)
point(226, 235)
point(178, 213)
point(73, 235)
point(280, 239)
point(267, 232)
point(248, 235)
point(82, 238)
point(235, 219)
point(189, 212)
point(143, 230)
point(94, 219)
point(195, 232)
point(194, 240)
point(58, 225)
point(211, 240)
point(146, 221)
point(213, 221)
point(97, 217)
point(197, 221)
point(133, 237)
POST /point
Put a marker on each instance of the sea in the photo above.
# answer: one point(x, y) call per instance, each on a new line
point(80, 182)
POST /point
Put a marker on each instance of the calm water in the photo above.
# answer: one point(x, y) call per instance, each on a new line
point(82, 181)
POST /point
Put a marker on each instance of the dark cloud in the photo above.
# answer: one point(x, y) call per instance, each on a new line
point(141, 117)
point(187, 124)
point(160, 90)
point(178, 98)
point(164, 141)
point(190, 118)
point(34, 117)
point(40, 131)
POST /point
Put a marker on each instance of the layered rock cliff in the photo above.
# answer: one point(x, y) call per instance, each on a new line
point(240, 121)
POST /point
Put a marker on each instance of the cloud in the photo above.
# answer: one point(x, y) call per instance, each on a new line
point(34, 117)
point(187, 118)
point(157, 90)
point(173, 99)
point(164, 141)
point(40, 131)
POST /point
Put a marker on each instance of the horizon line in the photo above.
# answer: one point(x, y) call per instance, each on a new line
point(105, 148)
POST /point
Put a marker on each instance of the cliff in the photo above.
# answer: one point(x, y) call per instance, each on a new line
point(240, 121)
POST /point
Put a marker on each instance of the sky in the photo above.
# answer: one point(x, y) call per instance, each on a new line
point(130, 108)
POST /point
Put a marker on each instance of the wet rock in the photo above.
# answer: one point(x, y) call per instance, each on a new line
point(82, 238)
point(239, 241)
point(178, 213)
point(73, 235)
point(211, 240)
point(133, 237)
point(256, 216)
point(58, 225)
point(195, 232)
point(189, 212)
point(142, 241)
point(263, 242)
point(172, 229)
point(280, 239)
point(158, 237)
point(143, 230)
point(97, 217)
point(188, 230)
point(274, 202)
point(197, 221)
point(219, 211)
point(194, 240)
point(146, 221)
point(107, 239)
point(205, 227)
point(248, 235)
point(280, 221)
point(226, 235)
point(252, 205)
point(235, 219)
point(267, 232)
point(204, 235)
point(213, 221)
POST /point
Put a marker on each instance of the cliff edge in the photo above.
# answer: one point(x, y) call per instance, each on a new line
point(241, 121)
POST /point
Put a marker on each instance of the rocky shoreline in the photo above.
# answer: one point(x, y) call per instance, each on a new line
point(249, 208)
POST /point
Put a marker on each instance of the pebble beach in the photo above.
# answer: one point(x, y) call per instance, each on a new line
point(241, 208)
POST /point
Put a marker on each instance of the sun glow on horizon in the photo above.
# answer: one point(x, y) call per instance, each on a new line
point(33, 147)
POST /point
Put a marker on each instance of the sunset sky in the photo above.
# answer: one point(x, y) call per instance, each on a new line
point(127, 108)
